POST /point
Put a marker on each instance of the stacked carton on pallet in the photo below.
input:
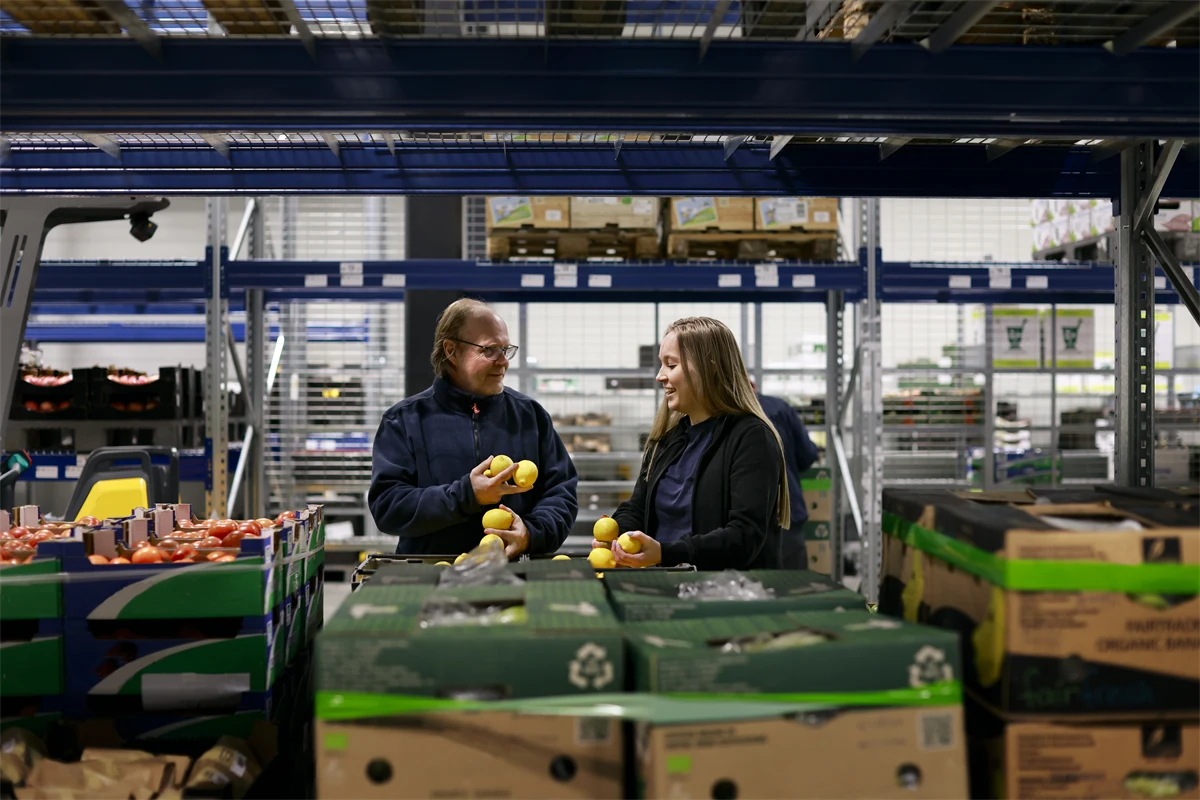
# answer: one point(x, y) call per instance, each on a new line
point(751, 229)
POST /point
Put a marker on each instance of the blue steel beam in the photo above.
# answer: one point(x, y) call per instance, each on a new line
point(739, 87)
point(823, 170)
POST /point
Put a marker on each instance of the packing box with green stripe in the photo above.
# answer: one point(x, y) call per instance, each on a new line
point(816, 487)
point(526, 640)
point(1064, 609)
point(823, 656)
point(642, 596)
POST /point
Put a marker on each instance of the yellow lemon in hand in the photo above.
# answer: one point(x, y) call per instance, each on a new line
point(602, 559)
point(629, 544)
point(498, 465)
point(489, 539)
point(460, 558)
point(526, 474)
point(498, 519)
point(561, 558)
point(606, 529)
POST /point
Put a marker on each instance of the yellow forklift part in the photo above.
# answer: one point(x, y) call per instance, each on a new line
point(114, 498)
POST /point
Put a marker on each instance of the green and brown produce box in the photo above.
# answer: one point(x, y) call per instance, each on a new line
point(815, 484)
point(796, 213)
point(476, 753)
point(826, 656)
point(623, 212)
point(531, 212)
point(492, 642)
point(1059, 760)
point(31, 667)
point(1079, 608)
point(711, 213)
point(702, 750)
point(817, 543)
point(641, 596)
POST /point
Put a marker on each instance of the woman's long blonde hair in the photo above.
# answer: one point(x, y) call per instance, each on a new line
point(713, 367)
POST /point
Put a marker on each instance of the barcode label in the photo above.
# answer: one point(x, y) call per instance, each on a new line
point(593, 730)
point(937, 731)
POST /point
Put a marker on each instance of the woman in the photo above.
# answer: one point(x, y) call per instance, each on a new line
point(712, 490)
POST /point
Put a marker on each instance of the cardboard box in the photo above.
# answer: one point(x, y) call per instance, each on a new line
point(31, 667)
point(470, 754)
point(643, 596)
point(815, 485)
point(623, 212)
point(796, 213)
point(528, 212)
point(816, 541)
point(711, 213)
point(1039, 212)
point(552, 638)
point(1057, 761)
point(1064, 609)
point(846, 752)
point(1044, 236)
point(1081, 225)
point(796, 653)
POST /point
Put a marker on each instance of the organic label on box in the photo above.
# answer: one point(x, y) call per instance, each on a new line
point(1075, 338)
point(695, 212)
point(1016, 338)
point(784, 212)
point(510, 210)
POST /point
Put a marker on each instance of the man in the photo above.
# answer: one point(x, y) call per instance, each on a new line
point(799, 453)
point(431, 451)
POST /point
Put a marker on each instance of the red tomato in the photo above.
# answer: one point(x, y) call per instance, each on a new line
point(265, 522)
point(5, 536)
point(207, 542)
point(223, 528)
point(89, 520)
point(183, 553)
point(19, 532)
point(40, 536)
point(119, 560)
point(234, 539)
point(6, 548)
point(185, 561)
point(224, 559)
point(217, 555)
point(250, 526)
point(138, 545)
point(168, 544)
point(97, 559)
point(149, 555)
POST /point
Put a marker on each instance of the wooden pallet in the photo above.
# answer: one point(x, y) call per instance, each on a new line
point(572, 245)
point(753, 245)
point(65, 17)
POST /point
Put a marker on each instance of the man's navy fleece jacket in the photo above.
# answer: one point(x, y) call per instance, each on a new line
point(427, 446)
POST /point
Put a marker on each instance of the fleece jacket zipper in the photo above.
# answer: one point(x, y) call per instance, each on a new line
point(475, 431)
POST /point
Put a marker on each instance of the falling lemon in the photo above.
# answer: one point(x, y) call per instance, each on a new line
point(526, 474)
point(629, 544)
point(498, 465)
point(602, 559)
point(489, 539)
point(460, 558)
point(606, 529)
point(561, 558)
point(498, 519)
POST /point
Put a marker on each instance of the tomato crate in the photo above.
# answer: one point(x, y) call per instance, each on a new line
point(38, 713)
point(31, 657)
point(128, 395)
point(31, 590)
point(245, 587)
point(157, 665)
point(62, 396)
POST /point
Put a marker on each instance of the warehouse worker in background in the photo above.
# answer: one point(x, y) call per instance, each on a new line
point(712, 490)
point(799, 454)
point(431, 451)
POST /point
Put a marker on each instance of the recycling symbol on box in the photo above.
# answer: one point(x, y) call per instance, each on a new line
point(591, 668)
point(929, 666)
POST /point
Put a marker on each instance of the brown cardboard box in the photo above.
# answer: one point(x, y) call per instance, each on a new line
point(469, 755)
point(1054, 651)
point(796, 213)
point(528, 212)
point(624, 212)
point(1059, 761)
point(819, 557)
point(820, 505)
point(711, 213)
point(872, 753)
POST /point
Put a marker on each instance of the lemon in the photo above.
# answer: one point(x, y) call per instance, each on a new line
point(629, 544)
point(498, 465)
point(561, 558)
point(526, 474)
point(602, 559)
point(460, 558)
point(489, 539)
point(606, 529)
point(498, 519)
point(443, 563)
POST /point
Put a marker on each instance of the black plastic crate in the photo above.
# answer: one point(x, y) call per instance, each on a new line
point(67, 401)
point(111, 399)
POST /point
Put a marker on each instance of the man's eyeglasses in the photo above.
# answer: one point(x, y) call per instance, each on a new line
point(493, 352)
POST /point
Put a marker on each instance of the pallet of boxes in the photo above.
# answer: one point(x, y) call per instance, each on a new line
point(157, 632)
point(549, 679)
point(816, 486)
point(1079, 617)
point(572, 228)
point(752, 229)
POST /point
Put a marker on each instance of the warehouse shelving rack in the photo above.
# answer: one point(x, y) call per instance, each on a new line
point(495, 97)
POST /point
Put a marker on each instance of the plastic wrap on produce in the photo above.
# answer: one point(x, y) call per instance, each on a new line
point(486, 565)
point(444, 611)
point(727, 585)
point(766, 642)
